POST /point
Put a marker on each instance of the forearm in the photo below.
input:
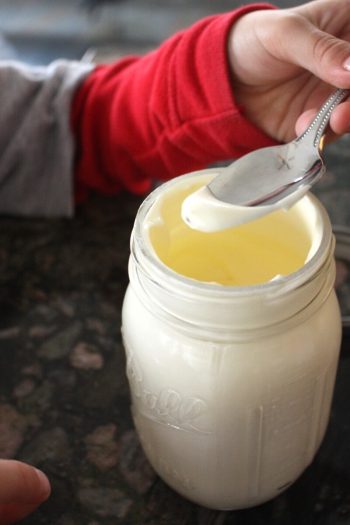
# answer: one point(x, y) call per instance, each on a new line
point(70, 128)
point(164, 114)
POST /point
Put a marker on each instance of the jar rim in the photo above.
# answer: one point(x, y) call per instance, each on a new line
point(285, 283)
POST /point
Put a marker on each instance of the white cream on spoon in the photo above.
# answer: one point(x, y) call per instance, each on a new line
point(202, 211)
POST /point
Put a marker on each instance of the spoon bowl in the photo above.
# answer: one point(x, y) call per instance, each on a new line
point(270, 175)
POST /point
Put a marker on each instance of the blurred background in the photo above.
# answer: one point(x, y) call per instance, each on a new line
point(38, 31)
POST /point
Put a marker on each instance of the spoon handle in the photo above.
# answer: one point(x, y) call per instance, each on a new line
point(316, 129)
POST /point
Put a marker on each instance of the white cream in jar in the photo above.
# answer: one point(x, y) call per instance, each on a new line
point(232, 344)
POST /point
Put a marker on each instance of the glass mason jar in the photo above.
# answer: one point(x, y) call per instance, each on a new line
point(231, 386)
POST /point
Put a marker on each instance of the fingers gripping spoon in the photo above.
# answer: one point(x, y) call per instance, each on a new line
point(264, 180)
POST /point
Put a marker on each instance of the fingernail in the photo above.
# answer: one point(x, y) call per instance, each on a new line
point(44, 482)
point(346, 64)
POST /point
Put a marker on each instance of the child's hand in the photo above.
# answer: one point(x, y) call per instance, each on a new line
point(291, 60)
point(22, 489)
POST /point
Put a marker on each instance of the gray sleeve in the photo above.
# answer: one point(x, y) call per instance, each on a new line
point(36, 142)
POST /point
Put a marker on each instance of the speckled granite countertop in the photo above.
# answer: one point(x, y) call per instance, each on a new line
point(64, 401)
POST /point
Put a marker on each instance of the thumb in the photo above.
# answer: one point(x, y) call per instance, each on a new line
point(22, 484)
point(321, 53)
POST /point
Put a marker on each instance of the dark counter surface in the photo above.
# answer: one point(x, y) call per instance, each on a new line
point(64, 401)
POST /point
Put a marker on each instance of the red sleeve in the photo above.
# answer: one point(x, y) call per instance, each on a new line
point(169, 112)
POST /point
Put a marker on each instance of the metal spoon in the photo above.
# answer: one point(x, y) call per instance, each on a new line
point(268, 175)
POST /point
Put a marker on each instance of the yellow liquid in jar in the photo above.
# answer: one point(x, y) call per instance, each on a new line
point(253, 253)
